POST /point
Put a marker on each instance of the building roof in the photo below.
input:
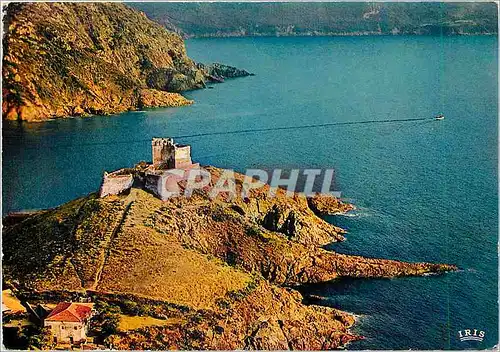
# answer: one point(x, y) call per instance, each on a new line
point(68, 311)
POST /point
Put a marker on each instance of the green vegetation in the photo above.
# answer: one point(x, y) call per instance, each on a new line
point(106, 322)
point(23, 335)
point(323, 18)
point(42, 340)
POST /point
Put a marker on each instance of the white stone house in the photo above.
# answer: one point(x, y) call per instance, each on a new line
point(69, 322)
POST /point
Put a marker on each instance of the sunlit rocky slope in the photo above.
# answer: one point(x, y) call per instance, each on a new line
point(67, 59)
point(223, 267)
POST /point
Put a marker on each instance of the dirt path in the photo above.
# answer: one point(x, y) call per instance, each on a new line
point(107, 250)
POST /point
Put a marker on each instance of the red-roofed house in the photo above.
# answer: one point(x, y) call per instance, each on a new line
point(68, 322)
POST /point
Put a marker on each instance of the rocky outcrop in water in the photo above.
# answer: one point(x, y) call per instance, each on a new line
point(217, 72)
point(328, 205)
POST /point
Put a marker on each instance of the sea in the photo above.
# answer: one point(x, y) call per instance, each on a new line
point(424, 190)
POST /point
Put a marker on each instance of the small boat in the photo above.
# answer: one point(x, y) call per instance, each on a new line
point(439, 117)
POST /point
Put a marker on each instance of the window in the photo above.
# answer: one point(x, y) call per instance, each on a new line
point(76, 327)
point(62, 327)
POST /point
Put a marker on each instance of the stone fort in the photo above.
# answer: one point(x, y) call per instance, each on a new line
point(167, 156)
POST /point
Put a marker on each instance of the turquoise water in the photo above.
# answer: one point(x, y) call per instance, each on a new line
point(425, 191)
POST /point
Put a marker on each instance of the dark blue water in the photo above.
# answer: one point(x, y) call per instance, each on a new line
point(425, 191)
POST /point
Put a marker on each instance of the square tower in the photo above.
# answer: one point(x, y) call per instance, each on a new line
point(169, 155)
point(163, 150)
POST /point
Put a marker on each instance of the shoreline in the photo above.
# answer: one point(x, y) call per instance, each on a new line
point(329, 35)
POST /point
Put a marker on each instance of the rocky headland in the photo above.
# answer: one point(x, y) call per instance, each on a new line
point(74, 59)
point(221, 270)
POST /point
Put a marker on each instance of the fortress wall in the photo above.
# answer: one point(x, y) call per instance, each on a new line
point(152, 183)
point(113, 184)
point(166, 183)
point(182, 156)
point(166, 156)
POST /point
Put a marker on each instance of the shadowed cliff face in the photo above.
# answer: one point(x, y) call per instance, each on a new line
point(226, 262)
point(70, 59)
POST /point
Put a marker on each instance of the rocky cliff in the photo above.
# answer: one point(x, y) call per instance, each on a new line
point(223, 266)
point(70, 59)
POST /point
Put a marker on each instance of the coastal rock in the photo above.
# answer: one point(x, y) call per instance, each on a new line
point(209, 262)
point(217, 72)
point(158, 98)
point(174, 81)
point(268, 318)
point(74, 59)
point(287, 252)
point(328, 205)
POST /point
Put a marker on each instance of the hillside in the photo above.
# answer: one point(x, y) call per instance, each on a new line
point(71, 59)
point(221, 266)
point(323, 18)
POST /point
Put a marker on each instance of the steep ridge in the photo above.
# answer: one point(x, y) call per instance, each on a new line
point(71, 59)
